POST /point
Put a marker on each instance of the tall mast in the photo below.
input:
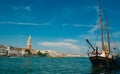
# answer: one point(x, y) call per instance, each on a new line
point(102, 32)
point(108, 35)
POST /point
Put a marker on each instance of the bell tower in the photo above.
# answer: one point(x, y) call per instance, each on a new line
point(29, 42)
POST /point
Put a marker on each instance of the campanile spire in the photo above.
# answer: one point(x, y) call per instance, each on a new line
point(29, 42)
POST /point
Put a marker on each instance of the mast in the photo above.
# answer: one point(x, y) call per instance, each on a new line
point(108, 35)
point(101, 25)
point(107, 54)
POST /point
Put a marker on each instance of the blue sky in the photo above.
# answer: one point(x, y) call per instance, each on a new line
point(60, 25)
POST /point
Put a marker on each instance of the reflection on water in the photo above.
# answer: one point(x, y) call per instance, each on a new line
point(102, 70)
point(26, 66)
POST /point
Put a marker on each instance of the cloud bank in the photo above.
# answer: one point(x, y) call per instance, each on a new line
point(66, 43)
point(23, 23)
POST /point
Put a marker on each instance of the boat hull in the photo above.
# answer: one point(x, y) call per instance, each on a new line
point(103, 62)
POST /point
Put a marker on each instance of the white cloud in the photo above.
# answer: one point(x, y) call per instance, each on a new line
point(94, 29)
point(59, 44)
point(80, 25)
point(96, 8)
point(93, 7)
point(77, 25)
point(27, 8)
point(23, 23)
point(70, 40)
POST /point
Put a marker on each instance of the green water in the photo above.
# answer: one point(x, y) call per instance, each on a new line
point(39, 65)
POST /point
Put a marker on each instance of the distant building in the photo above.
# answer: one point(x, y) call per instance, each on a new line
point(3, 50)
point(34, 51)
point(20, 51)
point(52, 53)
point(29, 42)
point(11, 51)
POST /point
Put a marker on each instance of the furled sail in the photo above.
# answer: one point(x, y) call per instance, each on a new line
point(105, 48)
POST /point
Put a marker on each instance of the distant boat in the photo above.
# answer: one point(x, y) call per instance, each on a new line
point(13, 57)
point(104, 57)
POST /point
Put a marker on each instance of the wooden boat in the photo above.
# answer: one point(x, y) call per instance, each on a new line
point(104, 57)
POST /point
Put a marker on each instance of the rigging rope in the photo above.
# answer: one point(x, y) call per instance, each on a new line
point(96, 38)
point(114, 41)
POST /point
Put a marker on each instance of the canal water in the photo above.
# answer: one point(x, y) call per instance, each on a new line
point(41, 65)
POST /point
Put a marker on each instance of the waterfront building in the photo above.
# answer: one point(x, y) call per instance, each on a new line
point(3, 50)
point(20, 51)
point(33, 51)
point(11, 51)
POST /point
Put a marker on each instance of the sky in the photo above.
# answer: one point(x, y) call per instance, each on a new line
point(60, 25)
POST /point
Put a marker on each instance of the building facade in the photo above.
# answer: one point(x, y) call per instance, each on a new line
point(3, 50)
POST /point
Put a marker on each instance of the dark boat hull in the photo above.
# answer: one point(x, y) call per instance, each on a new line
point(103, 62)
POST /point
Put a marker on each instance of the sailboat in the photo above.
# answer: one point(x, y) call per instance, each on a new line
point(103, 57)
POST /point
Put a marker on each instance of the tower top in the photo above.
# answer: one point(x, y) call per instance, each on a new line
point(29, 38)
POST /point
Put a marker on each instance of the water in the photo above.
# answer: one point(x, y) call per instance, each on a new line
point(41, 65)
